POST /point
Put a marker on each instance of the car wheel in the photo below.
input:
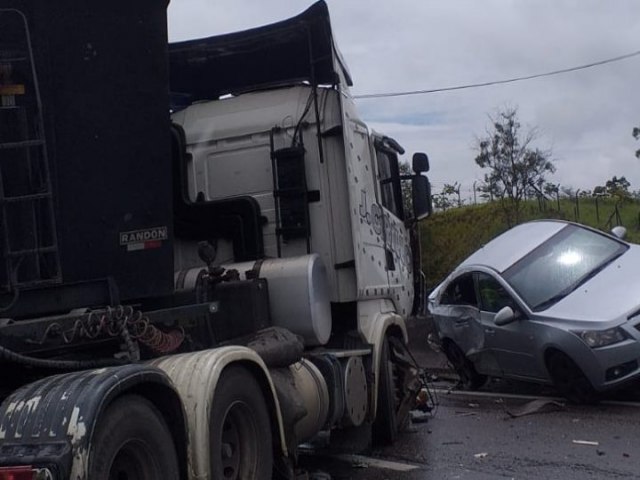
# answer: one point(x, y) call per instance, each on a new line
point(570, 381)
point(470, 379)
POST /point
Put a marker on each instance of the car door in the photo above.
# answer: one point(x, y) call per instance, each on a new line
point(513, 345)
point(458, 318)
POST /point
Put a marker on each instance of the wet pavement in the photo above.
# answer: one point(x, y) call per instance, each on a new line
point(475, 435)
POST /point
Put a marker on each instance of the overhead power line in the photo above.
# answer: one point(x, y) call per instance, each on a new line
point(499, 82)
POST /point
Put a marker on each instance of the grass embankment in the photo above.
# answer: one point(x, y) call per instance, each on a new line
point(449, 237)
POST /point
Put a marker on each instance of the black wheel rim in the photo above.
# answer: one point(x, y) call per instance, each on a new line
point(134, 461)
point(239, 445)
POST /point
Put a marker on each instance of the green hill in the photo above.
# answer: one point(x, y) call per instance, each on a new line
point(449, 237)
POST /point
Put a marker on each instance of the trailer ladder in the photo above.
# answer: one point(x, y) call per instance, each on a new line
point(28, 239)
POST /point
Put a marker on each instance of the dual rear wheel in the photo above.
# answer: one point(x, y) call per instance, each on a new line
point(133, 442)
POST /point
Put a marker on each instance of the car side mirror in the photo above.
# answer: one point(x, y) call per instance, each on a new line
point(504, 316)
point(619, 232)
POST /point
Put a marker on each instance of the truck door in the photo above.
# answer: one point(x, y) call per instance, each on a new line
point(366, 214)
point(381, 241)
point(397, 246)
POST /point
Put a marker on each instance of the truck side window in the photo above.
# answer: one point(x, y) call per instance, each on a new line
point(460, 292)
point(389, 176)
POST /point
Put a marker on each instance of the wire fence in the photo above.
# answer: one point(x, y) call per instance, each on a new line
point(603, 211)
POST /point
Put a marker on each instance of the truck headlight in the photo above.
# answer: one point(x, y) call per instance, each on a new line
point(602, 338)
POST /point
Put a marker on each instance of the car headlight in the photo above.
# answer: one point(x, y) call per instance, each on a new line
point(602, 338)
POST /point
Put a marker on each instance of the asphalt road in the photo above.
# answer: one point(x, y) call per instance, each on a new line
point(473, 435)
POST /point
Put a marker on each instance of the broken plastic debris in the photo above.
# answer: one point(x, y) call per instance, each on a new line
point(539, 405)
point(420, 417)
point(586, 442)
point(481, 455)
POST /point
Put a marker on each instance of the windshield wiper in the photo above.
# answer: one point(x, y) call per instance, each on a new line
point(555, 299)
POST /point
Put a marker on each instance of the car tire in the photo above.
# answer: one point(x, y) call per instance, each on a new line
point(470, 379)
point(570, 380)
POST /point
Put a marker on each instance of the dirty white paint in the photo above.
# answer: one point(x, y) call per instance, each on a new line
point(77, 428)
point(80, 465)
point(15, 408)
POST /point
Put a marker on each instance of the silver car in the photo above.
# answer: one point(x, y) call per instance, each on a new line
point(549, 302)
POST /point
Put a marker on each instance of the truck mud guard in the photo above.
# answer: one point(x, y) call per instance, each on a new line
point(50, 423)
point(195, 376)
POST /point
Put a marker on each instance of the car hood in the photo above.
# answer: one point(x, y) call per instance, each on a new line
point(612, 294)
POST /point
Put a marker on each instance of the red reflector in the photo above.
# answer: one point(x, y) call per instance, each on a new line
point(16, 473)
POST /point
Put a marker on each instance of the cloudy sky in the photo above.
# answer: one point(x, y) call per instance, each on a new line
point(585, 118)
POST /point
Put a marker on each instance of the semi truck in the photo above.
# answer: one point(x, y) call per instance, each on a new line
point(207, 258)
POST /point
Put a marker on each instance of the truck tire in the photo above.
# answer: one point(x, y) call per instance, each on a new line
point(132, 442)
point(239, 428)
point(385, 426)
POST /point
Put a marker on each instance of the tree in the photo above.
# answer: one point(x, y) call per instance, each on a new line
point(618, 187)
point(599, 191)
point(551, 190)
point(451, 189)
point(513, 165)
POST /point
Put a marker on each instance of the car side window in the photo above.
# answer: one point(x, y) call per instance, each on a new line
point(493, 296)
point(460, 292)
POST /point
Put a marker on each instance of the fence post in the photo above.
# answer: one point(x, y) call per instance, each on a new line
point(577, 205)
point(597, 211)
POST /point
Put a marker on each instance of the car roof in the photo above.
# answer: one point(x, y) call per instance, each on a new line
point(506, 249)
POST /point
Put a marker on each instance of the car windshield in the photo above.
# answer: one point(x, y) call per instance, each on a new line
point(561, 264)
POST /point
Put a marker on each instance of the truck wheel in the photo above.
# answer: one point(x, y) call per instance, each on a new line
point(239, 429)
point(132, 442)
point(385, 426)
point(470, 379)
point(570, 381)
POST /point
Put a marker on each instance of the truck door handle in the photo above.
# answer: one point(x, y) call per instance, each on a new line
point(391, 264)
point(489, 331)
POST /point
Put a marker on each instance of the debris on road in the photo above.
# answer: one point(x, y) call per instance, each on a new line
point(586, 442)
point(420, 417)
point(540, 405)
point(481, 455)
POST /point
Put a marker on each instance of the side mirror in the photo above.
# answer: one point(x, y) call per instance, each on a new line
point(420, 163)
point(421, 196)
point(504, 316)
point(619, 232)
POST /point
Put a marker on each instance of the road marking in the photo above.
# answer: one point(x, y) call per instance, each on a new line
point(375, 462)
point(516, 396)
